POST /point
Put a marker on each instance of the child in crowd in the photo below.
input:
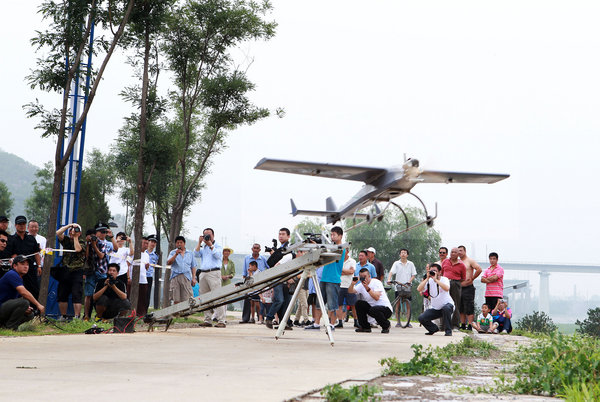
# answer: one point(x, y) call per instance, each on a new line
point(502, 315)
point(266, 299)
point(254, 299)
point(485, 322)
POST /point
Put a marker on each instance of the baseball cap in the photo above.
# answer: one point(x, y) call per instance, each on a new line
point(371, 249)
point(19, 258)
point(20, 219)
point(3, 218)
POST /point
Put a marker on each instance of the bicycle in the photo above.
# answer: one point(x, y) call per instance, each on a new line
point(401, 304)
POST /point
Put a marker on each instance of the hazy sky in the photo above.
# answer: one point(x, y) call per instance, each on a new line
point(507, 87)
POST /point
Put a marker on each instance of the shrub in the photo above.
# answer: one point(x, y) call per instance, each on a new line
point(538, 322)
point(591, 325)
point(581, 392)
point(356, 393)
point(424, 362)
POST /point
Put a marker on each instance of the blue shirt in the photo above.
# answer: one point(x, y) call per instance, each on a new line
point(211, 259)
point(153, 260)
point(8, 286)
point(261, 261)
point(183, 264)
point(332, 272)
point(369, 266)
point(311, 285)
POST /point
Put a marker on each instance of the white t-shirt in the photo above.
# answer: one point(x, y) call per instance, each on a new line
point(145, 259)
point(376, 286)
point(285, 258)
point(42, 242)
point(347, 279)
point(439, 300)
point(403, 271)
point(120, 257)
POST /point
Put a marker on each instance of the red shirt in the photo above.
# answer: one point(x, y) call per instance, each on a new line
point(456, 271)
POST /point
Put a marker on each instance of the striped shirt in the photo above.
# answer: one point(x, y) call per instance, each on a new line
point(494, 289)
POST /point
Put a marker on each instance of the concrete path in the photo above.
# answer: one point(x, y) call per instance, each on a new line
point(238, 363)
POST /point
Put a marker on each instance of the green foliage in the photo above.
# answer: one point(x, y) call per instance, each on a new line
point(591, 325)
point(6, 200)
point(424, 362)
point(422, 242)
point(35, 327)
point(437, 360)
point(553, 364)
point(37, 206)
point(356, 393)
point(538, 322)
point(582, 392)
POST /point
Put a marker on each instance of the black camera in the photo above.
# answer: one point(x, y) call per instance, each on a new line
point(313, 238)
point(76, 229)
point(269, 249)
point(206, 237)
point(94, 238)
point(111, 280)
point(363, 279)
point(432, 273)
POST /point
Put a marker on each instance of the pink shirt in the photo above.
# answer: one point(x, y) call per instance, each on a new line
point(494, 289)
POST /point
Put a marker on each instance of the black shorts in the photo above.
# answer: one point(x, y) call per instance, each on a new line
point(113, 306)
point(311, 299)
point(467, 300)
point(72, 285)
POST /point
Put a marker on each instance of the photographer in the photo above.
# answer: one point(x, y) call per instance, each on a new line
point(373, 301)
point(72, 283)
point(5, 254)
point(97, 252)
point(442, 305)
point(110, 296)
point(502, 315)
point(210, 273)
point(15, 300)
point(183, 272)
point(281, 294)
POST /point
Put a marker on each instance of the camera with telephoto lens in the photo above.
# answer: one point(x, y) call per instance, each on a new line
point(432, 273)
point(269, 249)
point(76, 229)
point(313, 238)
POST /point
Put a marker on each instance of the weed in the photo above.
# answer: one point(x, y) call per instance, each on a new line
point(425, 361)
point(538, 323)
point(580, 392)
point(591, 325)
point(356, 393)
point(469, 347)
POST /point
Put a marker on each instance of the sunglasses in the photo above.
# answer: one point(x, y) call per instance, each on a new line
point(3, 240)
point(443, 252)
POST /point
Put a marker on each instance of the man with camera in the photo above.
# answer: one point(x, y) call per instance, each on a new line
point(442, 305)
point(98, 251)
point(210, 273)
point(72, 282)
point(183, 272)
point(372, 301)
point(22, 243)
point(110, 296)
point(281, 294)
point(15, 299)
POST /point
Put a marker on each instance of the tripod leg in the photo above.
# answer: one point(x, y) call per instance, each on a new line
point(288, 311)
point(324, 312)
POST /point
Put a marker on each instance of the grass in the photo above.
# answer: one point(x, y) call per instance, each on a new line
point(36, 328)
point(356, 393)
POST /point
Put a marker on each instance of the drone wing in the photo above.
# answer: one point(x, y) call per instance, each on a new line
point(345, 172)
point(434, 176)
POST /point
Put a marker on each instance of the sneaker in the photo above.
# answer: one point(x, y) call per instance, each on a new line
point(206, 324)
point(469, 327)
point(362, 330)
point(356, 324)
point(495, 331)
point(269, 323)
point(297, 323)
point(289, 328)
point(220, 325)
point(385, 330)
point(244, 322)
point(340, 324)
point(448, 333)
point(313, 327)
point(215, 320)
point(409, 325)
point(504, 332)
point(97, 319)
point(462, 326)
point(431, 332)
point(398, 325)
point(251, 321)
point(62, 318)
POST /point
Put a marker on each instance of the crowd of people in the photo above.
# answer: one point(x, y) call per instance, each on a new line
point(96, 274)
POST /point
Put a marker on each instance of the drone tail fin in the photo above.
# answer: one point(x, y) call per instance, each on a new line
point(330, 205)
point(332, 216)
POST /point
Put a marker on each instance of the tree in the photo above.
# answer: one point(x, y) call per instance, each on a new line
point(37, 206)
point(422, 242)
point(591, 325)
point(307, 225)
point(211, 92)
point(67, 38)
point(6, 200)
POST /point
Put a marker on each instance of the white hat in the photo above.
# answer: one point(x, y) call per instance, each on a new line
point(371, 249)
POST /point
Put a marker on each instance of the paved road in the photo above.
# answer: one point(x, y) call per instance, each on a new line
point(238, 363)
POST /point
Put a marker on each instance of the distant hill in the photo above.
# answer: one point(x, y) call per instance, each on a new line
point(18, 175)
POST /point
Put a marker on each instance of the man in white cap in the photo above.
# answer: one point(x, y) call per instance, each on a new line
point(378, 264)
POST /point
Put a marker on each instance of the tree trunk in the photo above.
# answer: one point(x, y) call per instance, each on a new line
point(138, 221)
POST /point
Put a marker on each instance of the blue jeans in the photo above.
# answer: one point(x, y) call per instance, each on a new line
point(330, 292)
point(281, 300)
point(504, 325)
point(431, 314)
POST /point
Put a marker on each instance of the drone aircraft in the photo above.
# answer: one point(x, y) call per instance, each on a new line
point(381, 185)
